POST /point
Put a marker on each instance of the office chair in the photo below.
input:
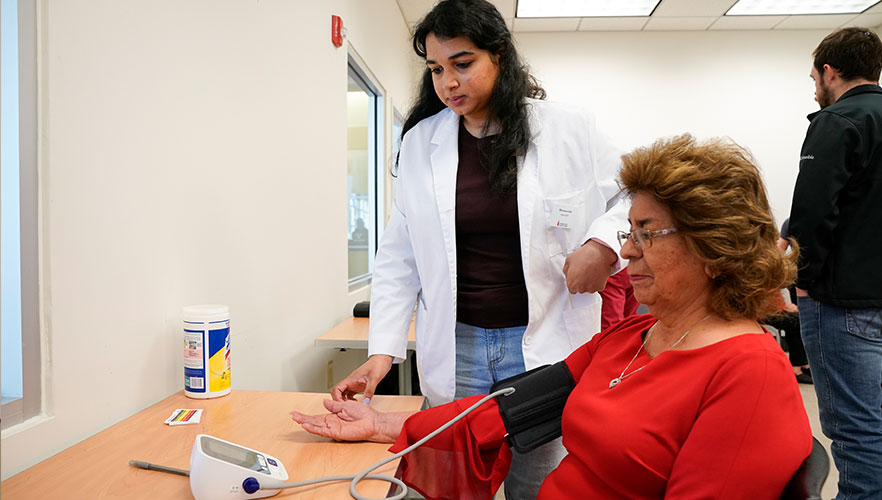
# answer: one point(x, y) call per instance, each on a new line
point(809, 478)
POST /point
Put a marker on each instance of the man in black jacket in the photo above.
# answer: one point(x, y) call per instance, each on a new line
point(836, 218)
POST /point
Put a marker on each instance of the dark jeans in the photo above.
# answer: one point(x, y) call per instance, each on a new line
point(789, 324)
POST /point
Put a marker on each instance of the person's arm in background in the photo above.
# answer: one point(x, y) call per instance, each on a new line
point(617, 300)
point(395, 286)
point(824, 169)
point(782, 244)
point(788, 305)
point(588, 268)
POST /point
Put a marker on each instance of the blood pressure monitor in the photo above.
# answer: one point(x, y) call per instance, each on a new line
point(222, 470)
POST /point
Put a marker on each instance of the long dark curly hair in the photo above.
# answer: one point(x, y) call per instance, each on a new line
point(480, 22)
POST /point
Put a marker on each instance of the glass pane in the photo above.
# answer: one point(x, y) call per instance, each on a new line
point(10, 253)
point(360, 213)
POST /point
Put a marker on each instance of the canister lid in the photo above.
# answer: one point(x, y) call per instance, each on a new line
point(206, 313)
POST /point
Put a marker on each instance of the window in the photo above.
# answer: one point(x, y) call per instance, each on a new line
point(365, 125)
point(21, 374)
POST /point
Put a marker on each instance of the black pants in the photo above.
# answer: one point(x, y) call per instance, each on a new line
point(789, 324)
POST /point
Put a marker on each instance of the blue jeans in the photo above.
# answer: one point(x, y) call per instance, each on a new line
point(844, 348)
point(484, 356)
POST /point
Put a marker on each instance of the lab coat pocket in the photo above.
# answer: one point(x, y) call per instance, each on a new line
point(582, 320)
point(565, 223)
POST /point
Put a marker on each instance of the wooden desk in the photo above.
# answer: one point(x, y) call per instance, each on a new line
point(97, 468)
point(352, 333)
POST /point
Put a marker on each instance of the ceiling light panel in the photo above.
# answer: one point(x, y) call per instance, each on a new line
point(585, 8)
point(796, 7)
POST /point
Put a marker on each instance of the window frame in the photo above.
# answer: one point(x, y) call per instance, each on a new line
point(359, 71)
point(31, 403)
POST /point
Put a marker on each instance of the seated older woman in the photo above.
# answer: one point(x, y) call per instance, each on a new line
point(694, 400)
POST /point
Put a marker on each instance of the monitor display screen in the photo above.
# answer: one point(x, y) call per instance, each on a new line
point(233, 454)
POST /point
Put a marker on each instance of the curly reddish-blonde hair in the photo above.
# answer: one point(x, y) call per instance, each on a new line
point(718, 201)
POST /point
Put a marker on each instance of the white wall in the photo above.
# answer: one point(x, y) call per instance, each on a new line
point(193, 152)
point(752, 86)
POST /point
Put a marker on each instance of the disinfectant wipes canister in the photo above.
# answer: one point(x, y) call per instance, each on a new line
point(206, 351)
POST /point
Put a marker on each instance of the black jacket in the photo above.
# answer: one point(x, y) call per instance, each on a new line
point(837, 204)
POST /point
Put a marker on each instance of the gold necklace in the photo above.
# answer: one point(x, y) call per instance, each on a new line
point(622, 376)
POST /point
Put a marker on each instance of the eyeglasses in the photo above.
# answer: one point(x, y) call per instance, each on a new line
point(642, 238)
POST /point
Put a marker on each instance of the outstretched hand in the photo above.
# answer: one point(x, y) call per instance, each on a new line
point(347, 421)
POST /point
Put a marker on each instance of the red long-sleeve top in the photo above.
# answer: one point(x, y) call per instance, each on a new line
point(724, 421)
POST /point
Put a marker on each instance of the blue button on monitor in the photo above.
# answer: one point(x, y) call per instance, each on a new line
point(250, 485)
point(272, 462)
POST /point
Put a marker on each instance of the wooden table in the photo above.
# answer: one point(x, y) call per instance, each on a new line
point(352, 333)
point(97, 468)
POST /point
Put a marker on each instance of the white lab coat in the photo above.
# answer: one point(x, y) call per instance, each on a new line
point(565, 183)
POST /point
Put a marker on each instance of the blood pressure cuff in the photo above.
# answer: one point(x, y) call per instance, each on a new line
point(532, 413)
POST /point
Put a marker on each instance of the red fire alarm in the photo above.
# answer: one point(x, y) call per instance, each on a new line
point(336, 31)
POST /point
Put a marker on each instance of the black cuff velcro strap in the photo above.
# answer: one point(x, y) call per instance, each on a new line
point(532, 413)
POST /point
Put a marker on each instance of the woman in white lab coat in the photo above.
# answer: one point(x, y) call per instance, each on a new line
point(504, 205)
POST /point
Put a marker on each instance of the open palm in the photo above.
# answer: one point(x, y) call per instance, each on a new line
point(347, 421)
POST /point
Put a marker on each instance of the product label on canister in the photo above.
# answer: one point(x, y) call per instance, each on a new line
point(207, 360)
point(219, 360)
point(194, 365)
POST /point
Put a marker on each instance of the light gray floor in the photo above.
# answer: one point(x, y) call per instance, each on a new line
point(810, 399)
point(811, 407)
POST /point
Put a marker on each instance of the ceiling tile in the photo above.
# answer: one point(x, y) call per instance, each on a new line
point(866, 20)
point(746, 22)
point(414, 10)
point(874, 9)
point(799, 7)
point(505, 7)
point(612, 23)
point(546, 24)
point(814, 22)
point(585, 8)
point(678, 23)
point(691, 8)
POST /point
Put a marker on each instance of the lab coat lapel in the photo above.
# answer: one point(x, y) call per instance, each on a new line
point(528, 190)
point(445, 160)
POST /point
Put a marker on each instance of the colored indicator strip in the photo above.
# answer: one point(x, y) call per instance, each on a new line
point(181, 417)
point(184, 416)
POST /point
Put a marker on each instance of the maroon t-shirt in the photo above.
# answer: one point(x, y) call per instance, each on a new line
point(491, 292)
